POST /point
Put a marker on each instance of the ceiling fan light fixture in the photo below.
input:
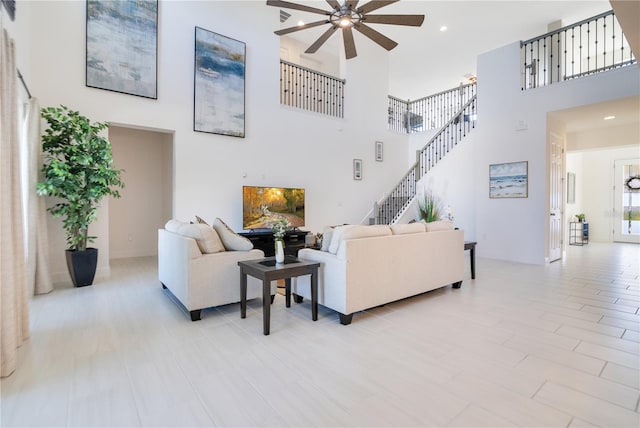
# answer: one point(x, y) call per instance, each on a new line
point(347, 16)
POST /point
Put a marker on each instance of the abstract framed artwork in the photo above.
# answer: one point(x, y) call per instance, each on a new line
point(509, 180)
point(357, 169)
point(379, 151)
point(219, 84)
point(122, 46)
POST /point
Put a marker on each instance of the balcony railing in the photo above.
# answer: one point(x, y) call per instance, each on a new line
point(430, 112)
point(586, 47)
point(311, 90)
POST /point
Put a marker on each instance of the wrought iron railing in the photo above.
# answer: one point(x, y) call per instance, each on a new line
point(586, 47)
point(311, 90)
point(430, 112)
point(391, 207)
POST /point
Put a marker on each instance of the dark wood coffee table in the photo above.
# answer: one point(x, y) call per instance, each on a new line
point(268, 270)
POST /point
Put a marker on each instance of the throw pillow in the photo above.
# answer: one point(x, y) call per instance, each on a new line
point(231, 240)
point(435, 226)
point(199, 220)
point(206, 238)
point(403, 229)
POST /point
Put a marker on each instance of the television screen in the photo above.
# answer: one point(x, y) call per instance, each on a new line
point(280, 201)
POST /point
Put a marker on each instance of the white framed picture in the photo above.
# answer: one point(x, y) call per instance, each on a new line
point(379, 151)
point(357, 169)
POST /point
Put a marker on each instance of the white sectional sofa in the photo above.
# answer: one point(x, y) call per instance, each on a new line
point(202, 275)
point(368, 266)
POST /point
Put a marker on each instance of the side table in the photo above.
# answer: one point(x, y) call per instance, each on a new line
point(471, 245)
point(268, 270)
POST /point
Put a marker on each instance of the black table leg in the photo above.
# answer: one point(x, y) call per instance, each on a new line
point(243, 294)
point(287, 291)
point(472, 254)
point(266, 305)
point(314, 295)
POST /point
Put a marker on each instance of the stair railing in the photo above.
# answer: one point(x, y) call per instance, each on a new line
point(390, 208)
point(590, 46)
point(430, 112)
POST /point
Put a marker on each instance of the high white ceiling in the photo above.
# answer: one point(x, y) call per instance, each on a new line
point(428, 60)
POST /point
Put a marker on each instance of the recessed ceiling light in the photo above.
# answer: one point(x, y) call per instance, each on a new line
point(300, 23)
point(609, 117)
point(443, 28)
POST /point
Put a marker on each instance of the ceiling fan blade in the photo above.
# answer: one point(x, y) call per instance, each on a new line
point(352, 4)
point(325, 36)
point(334, 4)
point(376, 4)
point(412, 20)
point(289, 5)
point(377, 37)
point(349, 44)
point(300, 27)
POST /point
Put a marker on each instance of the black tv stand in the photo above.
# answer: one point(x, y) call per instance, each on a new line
point(262, 239)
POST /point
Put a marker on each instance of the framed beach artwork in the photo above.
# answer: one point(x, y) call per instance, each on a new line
point(509, 180)
point(219, 84)
point(122, 46)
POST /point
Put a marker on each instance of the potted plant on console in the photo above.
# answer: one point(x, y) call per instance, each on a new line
point(78, 170)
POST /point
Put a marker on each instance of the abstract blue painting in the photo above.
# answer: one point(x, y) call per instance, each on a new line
point(219, 76)
point(122, 45)
point(508, 180)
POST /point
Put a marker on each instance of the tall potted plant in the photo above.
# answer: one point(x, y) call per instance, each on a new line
point(78, 169)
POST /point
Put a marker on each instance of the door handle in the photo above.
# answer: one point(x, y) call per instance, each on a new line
point(553, 214)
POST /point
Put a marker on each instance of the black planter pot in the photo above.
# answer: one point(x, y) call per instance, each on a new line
point(82, 266)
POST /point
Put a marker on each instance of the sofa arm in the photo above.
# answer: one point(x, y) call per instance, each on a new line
point(331, 279)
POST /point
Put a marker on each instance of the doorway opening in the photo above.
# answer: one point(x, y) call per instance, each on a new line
point(146, 156)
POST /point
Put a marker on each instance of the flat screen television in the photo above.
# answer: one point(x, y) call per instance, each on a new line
point(281, 201)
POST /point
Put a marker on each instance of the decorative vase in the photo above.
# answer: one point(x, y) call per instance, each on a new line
point(279, 251)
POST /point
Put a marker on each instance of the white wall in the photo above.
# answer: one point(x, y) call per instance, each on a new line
point(594, 185)
point(283, 147)
point(516, 229)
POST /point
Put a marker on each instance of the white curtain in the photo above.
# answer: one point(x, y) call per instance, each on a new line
point(38, 277)
point(14, 310)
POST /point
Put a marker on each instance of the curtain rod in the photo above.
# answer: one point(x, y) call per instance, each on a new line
point(24, 83)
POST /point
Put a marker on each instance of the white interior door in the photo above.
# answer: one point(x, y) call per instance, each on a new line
point(556, 191)
point(626, 209)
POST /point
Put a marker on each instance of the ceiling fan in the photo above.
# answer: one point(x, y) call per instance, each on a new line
point(348, 16)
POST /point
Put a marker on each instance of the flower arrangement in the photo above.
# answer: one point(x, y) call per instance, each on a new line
point(277, 223)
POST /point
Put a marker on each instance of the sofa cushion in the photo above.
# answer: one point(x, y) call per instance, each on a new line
point(403, 229)
point(355, 231)
point(327, 234)
point(435, 226)
point(231, 240)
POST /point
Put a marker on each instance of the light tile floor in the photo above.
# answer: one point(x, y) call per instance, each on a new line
point(522, 345)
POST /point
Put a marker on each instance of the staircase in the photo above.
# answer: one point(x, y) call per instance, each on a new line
point(389, 209)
